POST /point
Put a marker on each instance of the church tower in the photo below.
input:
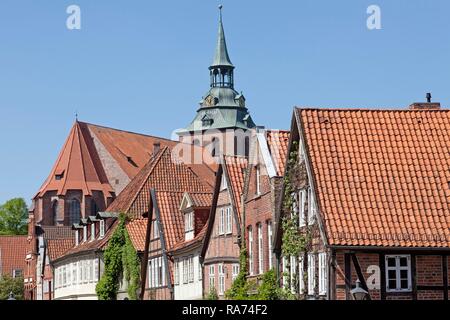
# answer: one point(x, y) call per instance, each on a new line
point(222, 123)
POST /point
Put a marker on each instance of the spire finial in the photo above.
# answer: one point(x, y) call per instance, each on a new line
point(76, 115)
point(220, 11)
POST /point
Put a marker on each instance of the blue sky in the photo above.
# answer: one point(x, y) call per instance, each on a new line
point(142, 66)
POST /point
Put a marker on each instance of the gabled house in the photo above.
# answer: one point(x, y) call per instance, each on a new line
point(185, 255)
point(261, 196)
point(370, 190)
point(221, 246)
point(170, 179)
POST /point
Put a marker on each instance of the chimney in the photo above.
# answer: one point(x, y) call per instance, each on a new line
point(156, 148)
point(425, 105)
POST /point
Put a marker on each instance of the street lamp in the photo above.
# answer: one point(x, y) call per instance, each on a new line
point(359, 293)
point(11, 296)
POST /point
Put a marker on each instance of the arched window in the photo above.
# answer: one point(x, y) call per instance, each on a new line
point(247, 146)
point(55, 212)
point(215, 147)
point(74, 211)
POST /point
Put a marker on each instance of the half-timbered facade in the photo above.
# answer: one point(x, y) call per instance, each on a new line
point(222, 244)
point(370, 197)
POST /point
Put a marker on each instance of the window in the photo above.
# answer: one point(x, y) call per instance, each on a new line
point(77, 238)
point(301, 275)
point(323, 275)
point(17, 273)
point(155, 229)
point(92, 231)
point(214, 144)
point(200, 271)
point(398, 273)
point(302, 199)
point(258, 180)
point(191, 269)
point(235, 271)
point(96, 271)
point(84, 233)
point(250, 250)
point(222, 221)
point(221, 279)
point(285, 279)
point(212, 276)
point(269, 241)
point(177, 272)
point(260, 250)
point(293, 273)
point(55, 212)
point(223, 183)
point(229, 225)
point(94, 208)
point(156, 270)
point(311, 274)
point(185, 270)
point(74, 274)
point(74, 211)
point(102, 228)
point(189, 222)
point(312, 208)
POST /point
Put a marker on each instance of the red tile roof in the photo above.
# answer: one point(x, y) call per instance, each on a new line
point(235, 168)
point(164, 173)
point(58, 247)
point(382, 176)
point(137, 230)
point(278, 141)
point(13, 251)
point(203, 199)
point(197, 240)
point(78, 165)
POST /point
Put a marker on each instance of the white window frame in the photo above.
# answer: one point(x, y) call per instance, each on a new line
point(302, 199)
point(258, 180)
point(269, 241)
point(185, 270)
point(301, 275)
point(398, 270)
point(235, 271)
point(311, 273)
point(293, 271)
point(84, 233)
point(221, 279)
point(200, 270)
point(102, 228)
point(222, 221)
point(285, 277)
point(312, 207)
point(96, 271)
point(260, 249)
point(77, 237)
point(250, 251)
point(212, 276)
point(177, 272)
point(92, 231)
point(188, 222)
point(323, 273)
point(229, 221)
point(191, 268)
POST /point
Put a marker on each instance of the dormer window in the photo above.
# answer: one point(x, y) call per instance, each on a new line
point(84, 233)
point(77, 238)
point(102, 228)
point(92, 231)
point(59, 175)
point(189, 225)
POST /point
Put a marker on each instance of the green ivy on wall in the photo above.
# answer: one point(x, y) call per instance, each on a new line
point(120, 258)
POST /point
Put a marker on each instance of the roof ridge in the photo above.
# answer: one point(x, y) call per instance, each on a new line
point(154, 161)
point(375, 109)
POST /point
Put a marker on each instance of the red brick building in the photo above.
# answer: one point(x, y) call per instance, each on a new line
point(261, 195)
point(371, 191)
point(221, 247)
point(171, 179)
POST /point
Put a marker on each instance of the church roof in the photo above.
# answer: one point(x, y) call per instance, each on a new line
point(221, 58)
point(90, 150)
point(78, 166)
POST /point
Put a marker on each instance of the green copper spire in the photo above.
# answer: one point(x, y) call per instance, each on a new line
point(221, 57)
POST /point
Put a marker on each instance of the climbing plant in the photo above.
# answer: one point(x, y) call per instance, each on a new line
point(240, 287)
point(120, 258)
point(293, 241)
